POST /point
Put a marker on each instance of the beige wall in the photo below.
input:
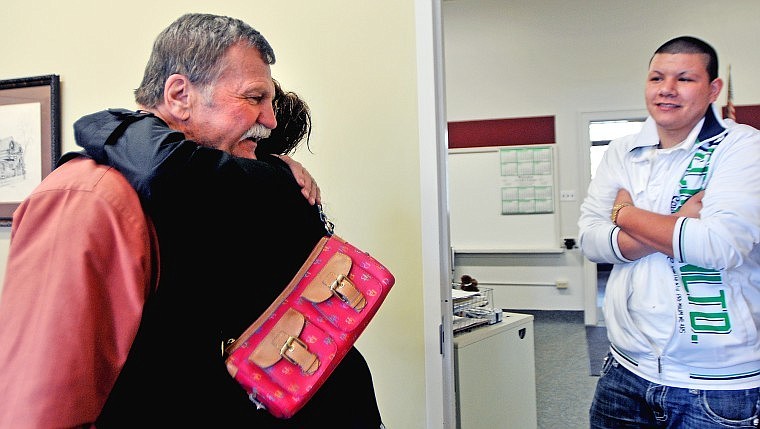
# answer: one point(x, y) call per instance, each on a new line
point(353, 61)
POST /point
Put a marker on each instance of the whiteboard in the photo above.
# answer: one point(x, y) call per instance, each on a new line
point(493, 209)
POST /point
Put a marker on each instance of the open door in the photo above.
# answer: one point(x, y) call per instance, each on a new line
point(598, 129)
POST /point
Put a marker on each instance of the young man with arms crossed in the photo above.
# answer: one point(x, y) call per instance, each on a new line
point(676, 209)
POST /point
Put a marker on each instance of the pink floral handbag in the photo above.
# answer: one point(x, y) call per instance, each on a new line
point(284, 357)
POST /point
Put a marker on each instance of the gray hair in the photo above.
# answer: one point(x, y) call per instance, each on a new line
point(193, 46)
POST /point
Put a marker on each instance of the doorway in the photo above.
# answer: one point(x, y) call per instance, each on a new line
point(599, 128)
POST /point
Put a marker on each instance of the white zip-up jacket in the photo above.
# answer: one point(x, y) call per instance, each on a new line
point(702, 335)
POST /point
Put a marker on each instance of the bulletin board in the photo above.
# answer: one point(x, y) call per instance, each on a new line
point(504, 199)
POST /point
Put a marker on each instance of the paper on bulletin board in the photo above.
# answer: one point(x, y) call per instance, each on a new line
point(475, 182)
point(527, 180)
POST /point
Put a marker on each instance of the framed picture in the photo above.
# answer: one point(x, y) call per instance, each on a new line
point(30, 137)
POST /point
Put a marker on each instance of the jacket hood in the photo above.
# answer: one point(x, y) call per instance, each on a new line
point(135, 143)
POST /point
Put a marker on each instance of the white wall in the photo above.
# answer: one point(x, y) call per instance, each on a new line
point(513, 58)
point(354, 62)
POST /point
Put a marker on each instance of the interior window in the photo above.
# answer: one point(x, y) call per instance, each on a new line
point(602, 132)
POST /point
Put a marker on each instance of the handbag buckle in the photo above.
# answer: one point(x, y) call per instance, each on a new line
point(334, 288)
point(351, 296)
point(289, 347)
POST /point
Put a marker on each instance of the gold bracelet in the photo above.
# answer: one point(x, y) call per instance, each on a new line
point(616, 210)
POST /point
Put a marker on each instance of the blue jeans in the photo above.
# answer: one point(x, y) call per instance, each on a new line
point(625, 400)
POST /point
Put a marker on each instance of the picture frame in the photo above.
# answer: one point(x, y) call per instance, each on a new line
point(30, 137)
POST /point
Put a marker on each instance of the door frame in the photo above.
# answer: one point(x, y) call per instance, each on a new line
point(591, 312)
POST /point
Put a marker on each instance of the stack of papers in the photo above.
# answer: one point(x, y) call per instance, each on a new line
point(462, 324)
point(466, 299)
point(459, 294)
point(473, 309)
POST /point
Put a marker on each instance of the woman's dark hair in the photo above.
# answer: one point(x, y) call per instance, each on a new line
point(293, 124)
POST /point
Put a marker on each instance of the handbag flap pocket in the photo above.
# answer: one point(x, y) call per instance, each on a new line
point(281, 388)
point(333, 279)
point(283, 341)
point(343, 287)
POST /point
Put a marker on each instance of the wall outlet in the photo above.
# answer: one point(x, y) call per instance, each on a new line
point(567, 195)
point(562, 284)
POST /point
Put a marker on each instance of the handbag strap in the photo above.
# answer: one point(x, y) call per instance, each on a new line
point(329, 226)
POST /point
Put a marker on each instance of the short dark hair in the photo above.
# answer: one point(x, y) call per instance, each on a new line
point(193, 46)
point(691, 45)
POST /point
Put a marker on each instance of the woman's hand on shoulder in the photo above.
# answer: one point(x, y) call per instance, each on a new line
point(309, 187)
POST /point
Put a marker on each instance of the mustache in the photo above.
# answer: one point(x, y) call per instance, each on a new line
point(257, 132)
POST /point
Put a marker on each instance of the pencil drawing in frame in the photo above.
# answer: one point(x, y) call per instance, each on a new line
point(30, 138)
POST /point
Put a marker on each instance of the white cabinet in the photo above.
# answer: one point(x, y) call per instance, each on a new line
point(496, 375)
